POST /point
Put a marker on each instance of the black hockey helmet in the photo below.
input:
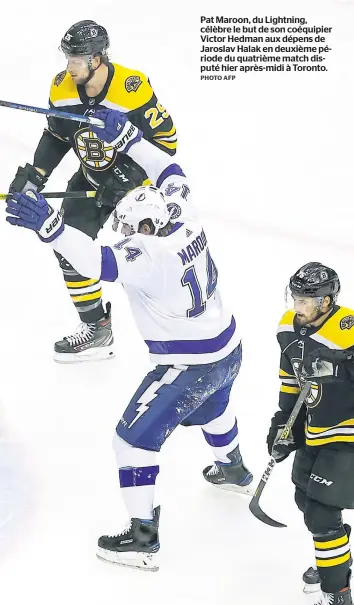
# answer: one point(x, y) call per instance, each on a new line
point(85, 38)
point(315, 279)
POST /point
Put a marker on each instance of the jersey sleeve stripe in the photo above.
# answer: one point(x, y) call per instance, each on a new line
point(109, 267)
point(171, 170)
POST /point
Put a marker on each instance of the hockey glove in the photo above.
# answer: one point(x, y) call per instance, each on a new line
point(31, 210)
point(27, 178)
point(296, 438)
point(326, 365)
point(118, 130)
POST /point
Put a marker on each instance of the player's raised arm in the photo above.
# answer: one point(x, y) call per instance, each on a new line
point(120, 132)
point(129, 261)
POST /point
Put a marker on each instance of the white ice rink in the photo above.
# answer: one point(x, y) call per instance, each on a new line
point(270, 158)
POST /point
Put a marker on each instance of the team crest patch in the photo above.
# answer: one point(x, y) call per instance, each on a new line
point(59, 78)
point(347, 322)
point(93, 152)
point(171, 189)
point(132, 83)
point(174, 210)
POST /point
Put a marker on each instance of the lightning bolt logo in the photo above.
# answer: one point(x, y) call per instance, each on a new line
point(145, 401)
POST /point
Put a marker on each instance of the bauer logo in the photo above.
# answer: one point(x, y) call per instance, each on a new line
point(93, 152)
point(347, 322)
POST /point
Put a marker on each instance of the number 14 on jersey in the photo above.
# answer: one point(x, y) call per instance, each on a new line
point(190, 279)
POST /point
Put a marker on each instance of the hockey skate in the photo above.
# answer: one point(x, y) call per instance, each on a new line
point(90, 342)
point(311, 576)
point(136, 546)
point(343, 597)
point(232, 476)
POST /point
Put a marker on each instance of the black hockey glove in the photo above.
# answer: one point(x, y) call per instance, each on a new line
point(327, 365)
point(296, 438)
point(125, 176)
point(109, 194)
point(27, 178)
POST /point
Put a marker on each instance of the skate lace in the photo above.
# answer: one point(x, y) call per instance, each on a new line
point(124, 531)
point(328, 598)
point(213, 470)
point(82, 334)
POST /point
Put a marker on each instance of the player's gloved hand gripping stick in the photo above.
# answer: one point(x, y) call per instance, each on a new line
point(254, 504)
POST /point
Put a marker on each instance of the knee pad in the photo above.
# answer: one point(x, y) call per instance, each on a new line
point(128, 455)
point(321, 519)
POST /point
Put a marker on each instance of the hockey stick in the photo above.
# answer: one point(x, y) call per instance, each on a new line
point(254, 504)
point(61, 194)
point(54, 112)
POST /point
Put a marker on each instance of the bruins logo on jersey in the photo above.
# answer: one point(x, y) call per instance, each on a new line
point(59, 78)
point(132, 83)
point(93, 152)
point(347, 322)
point(315, 395)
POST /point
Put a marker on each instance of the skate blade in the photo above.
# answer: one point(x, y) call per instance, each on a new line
point(246, 490)
point(311, 588)
point(135, 560)
point(101, 354)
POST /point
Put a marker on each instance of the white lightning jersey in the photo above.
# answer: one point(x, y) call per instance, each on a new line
point(171, 281)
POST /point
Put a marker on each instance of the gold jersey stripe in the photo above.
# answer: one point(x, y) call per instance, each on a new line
point(334, 439)
point(292, 390)
point(169, 133)
point(333, 562)
point(92, 296)
point(285, 374)
point(81, 284)
point(321, 429)
point(166, 144)
point(331, 543)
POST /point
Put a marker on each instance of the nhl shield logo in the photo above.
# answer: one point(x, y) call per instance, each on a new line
point(347, 322)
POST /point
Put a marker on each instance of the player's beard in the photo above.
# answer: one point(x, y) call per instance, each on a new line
point(302, 320)
point(79, 80)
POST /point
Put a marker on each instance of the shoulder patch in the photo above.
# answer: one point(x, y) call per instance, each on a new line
point(59, 78)
point(347, 322)
point(175, 210)
point(132, 83)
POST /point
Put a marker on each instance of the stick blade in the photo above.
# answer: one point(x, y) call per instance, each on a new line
point(259, 514)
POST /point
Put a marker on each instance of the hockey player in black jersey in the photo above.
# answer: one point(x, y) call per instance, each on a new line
point(92, 82)
point(317, 344)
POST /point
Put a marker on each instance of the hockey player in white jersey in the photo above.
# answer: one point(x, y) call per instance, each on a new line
point(170, 279)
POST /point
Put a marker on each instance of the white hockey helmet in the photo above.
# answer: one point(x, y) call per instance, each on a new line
point(145, 202)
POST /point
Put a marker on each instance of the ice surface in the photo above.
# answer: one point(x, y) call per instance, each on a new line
point(270, 160)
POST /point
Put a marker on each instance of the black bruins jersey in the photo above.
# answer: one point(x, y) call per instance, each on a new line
point(126, 90)
point(330, 406)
